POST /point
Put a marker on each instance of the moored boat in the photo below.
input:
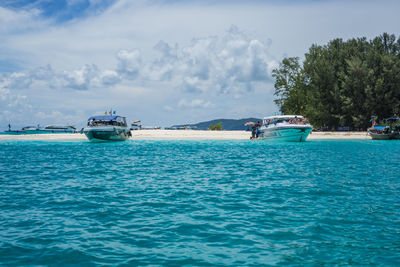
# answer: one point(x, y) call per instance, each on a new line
point(290, 128)
point(387, 132)
point(381, 133)
point(30, 130)
point(107, 128)
point(24, 130)
point(59, 129)
point(40, 130)
point(136, 125)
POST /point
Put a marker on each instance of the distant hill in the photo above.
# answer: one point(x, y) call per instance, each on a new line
point(227, 124)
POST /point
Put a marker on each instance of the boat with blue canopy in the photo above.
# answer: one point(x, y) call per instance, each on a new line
point(387, 132)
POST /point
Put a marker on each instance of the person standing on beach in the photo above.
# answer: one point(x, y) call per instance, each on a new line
point(253, 132)
point(258, 125)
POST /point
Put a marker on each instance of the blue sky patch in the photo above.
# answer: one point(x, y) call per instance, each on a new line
point(60, 10)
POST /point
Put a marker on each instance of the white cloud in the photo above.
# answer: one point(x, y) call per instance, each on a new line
point(56, 116)
point(225, 64)
point(129, 63)
point(168, 108)
point(163, 67)
point(43, 73)
point(17, 80)
point(12, 21)
point(109, 78)
point(14, 105)
point(80, 79)
point(195, 103)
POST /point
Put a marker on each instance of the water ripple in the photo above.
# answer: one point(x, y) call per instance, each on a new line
point(201, 203)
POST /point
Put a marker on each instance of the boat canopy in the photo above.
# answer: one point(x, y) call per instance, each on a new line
point(29, 128)
point(104, 118)
point(63, 127)
point(107, 120)
point(393, 119)
point(282, 117)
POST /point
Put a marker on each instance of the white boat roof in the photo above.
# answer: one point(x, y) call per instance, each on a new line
point(282, 117)
point(57, 125)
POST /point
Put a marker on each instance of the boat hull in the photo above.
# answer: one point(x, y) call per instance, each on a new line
point(383, 136)
point(97, 134)
point(286, 134)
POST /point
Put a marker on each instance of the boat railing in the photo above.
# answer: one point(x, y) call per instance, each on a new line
point(270, 123)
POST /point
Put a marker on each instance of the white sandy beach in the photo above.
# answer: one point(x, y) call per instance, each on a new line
point(187, 135)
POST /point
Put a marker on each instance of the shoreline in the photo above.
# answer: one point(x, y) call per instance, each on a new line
point(185, 135)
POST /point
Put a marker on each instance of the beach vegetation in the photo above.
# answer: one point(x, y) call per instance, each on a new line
point(342, 83)
point(216, 127)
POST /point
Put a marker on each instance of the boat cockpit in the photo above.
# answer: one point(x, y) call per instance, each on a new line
point(107, 121)
point(284, 119)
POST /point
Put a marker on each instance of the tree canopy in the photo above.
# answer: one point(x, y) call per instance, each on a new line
point(216, 127)
point(342, 83)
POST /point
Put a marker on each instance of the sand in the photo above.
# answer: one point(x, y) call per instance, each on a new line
point(339, 135)
point(187, 135)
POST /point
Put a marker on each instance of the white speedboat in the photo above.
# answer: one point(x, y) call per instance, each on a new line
point(50, 129)
point(136, 125)
point(31, 129)
point(59, 129)
point(107, 128)
point(24, 130)
point(292, 128)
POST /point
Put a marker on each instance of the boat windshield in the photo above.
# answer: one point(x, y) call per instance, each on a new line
point(118, 121)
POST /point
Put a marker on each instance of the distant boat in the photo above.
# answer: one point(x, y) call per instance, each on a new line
point(387, 132)
point(135, 125)
point(381, 133)
point(290, 128)
point(107, 128)
point(30, 128)
point(59, 129)
point(24, 130)
point(46, 130)
point(150, 128)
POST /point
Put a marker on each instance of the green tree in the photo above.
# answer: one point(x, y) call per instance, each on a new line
point(289, 81)
point(342, 83)
point(216, 127)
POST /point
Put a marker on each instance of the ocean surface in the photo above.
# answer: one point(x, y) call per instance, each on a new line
point(200, 203)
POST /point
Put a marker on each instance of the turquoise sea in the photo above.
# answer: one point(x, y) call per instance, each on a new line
point(200, 203)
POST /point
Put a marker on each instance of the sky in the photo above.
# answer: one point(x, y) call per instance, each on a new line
point(162, 62)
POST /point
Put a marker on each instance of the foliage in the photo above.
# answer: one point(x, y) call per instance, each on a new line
point(342, 83)
point(216, 127)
